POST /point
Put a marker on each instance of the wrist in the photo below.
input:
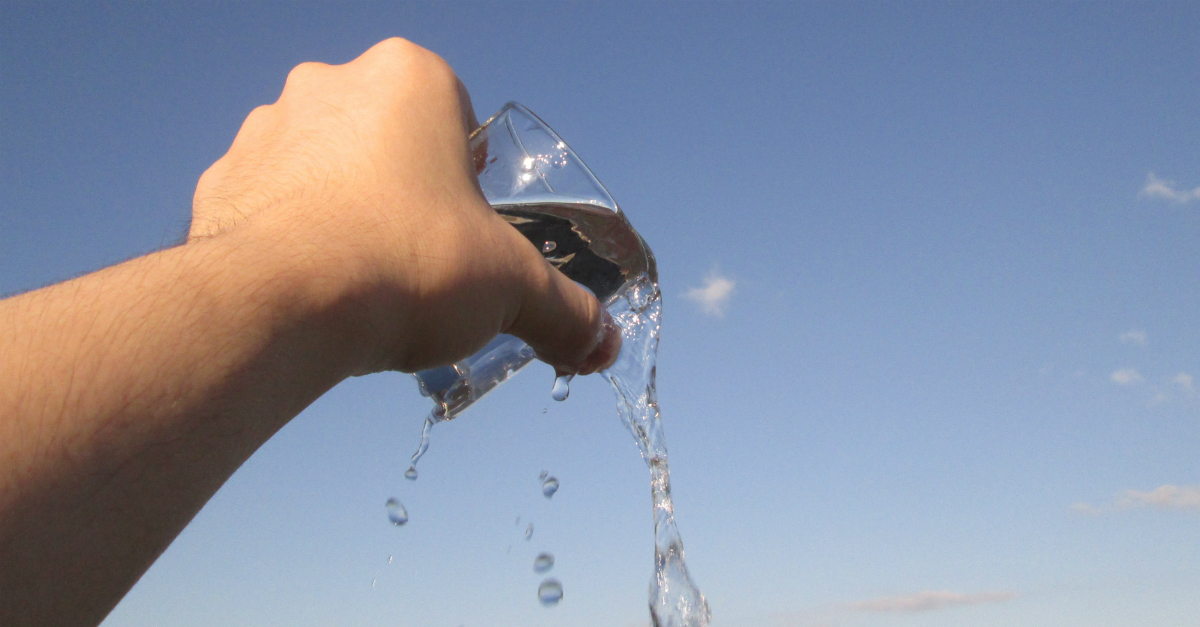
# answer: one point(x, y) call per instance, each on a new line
point(308, 290)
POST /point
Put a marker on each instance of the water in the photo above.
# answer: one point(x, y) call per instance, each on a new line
point(595, 247)
point(600, 250)
point(396, 513)
point(543, 563)
point(426, 429)
point(675, 601)
point(549, 487)
point(529, 532)
point(562, 387)
point(550, 592)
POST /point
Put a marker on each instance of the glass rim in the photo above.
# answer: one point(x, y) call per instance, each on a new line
point(513, 105)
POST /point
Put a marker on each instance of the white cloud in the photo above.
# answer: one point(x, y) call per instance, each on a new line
point(1162, 497)
point(929, 600)
point(714, 295)
point(1184, 380)
point(1133, 336)
point(1164, 189)
point(1126, 376)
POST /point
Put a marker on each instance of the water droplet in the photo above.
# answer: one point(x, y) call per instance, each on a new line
point(549, 487)
point(544, 409)
point(389, 559)
point(396, 512)
point(549, 246)
point(542, 475)
point(562, 387)
point(372, 583)
point(543, 562)
point(411, 473)
point(550, 592)
point(529, 532)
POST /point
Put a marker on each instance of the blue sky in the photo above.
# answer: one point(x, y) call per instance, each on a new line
point(930, 352)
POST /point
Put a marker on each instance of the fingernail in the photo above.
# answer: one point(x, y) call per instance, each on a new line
point(607, 348)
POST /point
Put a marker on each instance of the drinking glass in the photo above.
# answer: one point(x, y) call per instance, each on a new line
point(543, 189)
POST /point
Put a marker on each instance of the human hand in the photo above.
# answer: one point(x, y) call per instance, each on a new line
point(362, 171)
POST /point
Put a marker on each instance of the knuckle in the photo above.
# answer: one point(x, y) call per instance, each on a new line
point(418, 67)
point(303, 73)
point(396, 47)
point(439, 74)
point(258, 114)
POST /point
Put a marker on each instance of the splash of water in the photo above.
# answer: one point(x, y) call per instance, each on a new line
point(675, 601)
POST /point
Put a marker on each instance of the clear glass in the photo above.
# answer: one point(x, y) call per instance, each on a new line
point(542, 188)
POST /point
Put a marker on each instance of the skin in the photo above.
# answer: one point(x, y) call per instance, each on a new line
point(343, 233)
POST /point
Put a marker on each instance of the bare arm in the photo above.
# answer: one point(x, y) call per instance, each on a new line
point(342, 234)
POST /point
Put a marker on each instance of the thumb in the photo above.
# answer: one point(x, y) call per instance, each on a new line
point(564, 323)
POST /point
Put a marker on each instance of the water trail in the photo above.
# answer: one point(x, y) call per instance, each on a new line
point(426, 429)
point(675, 601)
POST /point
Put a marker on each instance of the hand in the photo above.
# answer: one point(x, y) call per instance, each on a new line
point(366, 166)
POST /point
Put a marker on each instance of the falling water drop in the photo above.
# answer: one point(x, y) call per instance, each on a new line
point(549, 246)
point(529, 532)
point(396, 512)
point(562, 388)
point(550, 592)
point(389, 559)
point(542, 475)
point(543, 562)
point(549, 487)
point(411, 473)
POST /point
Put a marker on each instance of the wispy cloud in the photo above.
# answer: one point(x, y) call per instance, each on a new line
point(1163, 497)
point(714, 296)
point(1184, 381)
point(1126, 376)
point(841, 614)
point(1133, 336)
point(1166, 190)
point(929, 600)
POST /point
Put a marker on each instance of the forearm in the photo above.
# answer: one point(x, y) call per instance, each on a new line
point(130, 395)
